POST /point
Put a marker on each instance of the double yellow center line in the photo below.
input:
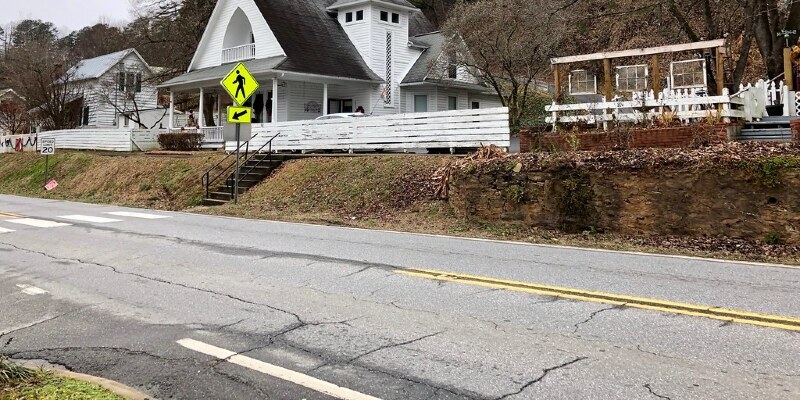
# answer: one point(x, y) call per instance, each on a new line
point(772, 321)
point(8, 215)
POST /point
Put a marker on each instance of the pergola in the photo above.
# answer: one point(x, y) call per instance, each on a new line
point(653, 52)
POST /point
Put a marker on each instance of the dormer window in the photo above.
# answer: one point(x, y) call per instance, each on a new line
point(452, 71)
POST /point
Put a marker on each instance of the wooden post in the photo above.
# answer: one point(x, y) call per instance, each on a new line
point(656, 76)
point(788, 77)
point(607, 86)
point(556, 83)
point(720, 70)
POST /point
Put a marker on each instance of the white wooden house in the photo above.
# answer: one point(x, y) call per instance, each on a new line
point(112, 85)
point(318, 57)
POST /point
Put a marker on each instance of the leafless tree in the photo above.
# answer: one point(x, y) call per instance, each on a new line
point(13, 118)
point(507, 44)
point(41, 73)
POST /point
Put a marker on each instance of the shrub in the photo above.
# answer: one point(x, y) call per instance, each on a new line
point(180, 141)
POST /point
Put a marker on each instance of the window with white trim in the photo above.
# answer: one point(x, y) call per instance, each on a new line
point(582, 82)
point(348, 17)
point(360, 15)
point(688, 74)
point(632, 78)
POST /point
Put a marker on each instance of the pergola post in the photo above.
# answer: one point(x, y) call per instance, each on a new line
point(788, 78)
point(720, 73)
point(607, 89)
point(656, 76)
point(556, 83)
point(201, 112)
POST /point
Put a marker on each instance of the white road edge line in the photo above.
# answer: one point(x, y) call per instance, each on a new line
point(37, 223)
point(4, 230)
point(275, 371)
point(31, 290)
point(87, 218)
point(136, 215)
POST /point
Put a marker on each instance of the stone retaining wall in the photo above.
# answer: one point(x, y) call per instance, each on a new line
point(732, 202)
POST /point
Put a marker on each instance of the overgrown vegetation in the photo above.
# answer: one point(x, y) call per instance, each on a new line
point(769, 169)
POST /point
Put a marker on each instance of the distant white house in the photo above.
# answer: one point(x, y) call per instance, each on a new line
point(112, 85)
point(317, 57)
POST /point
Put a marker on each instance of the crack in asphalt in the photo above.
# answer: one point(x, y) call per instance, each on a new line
point(650, 389)
point(544, 374)
point(389, 346)
point(356, 273)
point(159, 280)
point(92, 348)
point(592, 315)
point(639, 348)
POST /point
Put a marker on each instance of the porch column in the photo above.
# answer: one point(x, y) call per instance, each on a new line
point(656, 76)
point(201, 113)
point(171, 110)
point(219, 109)
point(788, 77)
point(275, 100)
point(266, 100)
point(325, 99)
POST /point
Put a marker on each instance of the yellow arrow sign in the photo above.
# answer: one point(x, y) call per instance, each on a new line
point(240, 84)
point(240, 115)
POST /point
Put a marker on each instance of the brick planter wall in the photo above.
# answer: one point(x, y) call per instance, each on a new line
point(678, 136)
point(795, 125)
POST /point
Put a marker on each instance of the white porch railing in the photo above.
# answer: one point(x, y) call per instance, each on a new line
point(213, 134)
point(684, 105)
point(444, 130)
point(239, 53)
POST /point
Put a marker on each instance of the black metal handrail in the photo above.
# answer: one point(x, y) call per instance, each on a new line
point(208, 181)
point(261, 160)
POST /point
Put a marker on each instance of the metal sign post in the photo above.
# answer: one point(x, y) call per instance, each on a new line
point(48, 149)
point(240, 85)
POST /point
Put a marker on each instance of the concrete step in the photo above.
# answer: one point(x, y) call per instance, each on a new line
point(214, 202)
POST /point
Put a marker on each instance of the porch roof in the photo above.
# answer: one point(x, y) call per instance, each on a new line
point(211, 74)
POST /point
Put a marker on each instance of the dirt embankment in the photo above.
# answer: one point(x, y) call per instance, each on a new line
point(169, 183)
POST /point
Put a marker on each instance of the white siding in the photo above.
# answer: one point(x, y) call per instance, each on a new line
point(443, 95)
point(359, 93)
point(104, 99)
point(358, 31)
point(108, 139)
point(301, 93)
point(487, 101)
point(209, 52)
point(402, 55)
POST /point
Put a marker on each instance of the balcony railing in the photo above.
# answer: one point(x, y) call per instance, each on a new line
point(239, 53)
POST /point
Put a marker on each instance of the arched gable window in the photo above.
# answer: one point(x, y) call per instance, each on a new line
point(239, 32)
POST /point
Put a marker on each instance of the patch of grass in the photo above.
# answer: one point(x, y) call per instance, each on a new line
point(768, 170)
point(17, 382)
point(774, 238)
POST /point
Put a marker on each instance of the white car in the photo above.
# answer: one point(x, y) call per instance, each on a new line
point(340, 116)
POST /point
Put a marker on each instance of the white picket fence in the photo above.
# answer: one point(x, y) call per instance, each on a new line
point(17, 143)
point(446, 130)
point(685, 105)
point(105, 139)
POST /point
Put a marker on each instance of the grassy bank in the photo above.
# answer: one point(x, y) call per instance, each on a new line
point(22, 383)
point(163, 182)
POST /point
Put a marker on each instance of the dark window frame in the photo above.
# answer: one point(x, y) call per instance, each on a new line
point(348, 17)
point(385, 16)
point(360, 15)
point(395, 18)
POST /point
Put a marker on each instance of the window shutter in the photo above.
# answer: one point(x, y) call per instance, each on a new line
point(121, 81)
point(138, 83)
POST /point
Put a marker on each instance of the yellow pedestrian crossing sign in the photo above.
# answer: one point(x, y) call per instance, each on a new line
point(240, 115)
point(240, 84)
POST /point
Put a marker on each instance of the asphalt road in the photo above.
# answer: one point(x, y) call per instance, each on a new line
point(190, 306)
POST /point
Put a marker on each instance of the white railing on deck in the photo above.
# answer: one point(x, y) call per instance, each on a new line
point(686, 105)
point(442, 130)
point(211, 134)
point(239, 53)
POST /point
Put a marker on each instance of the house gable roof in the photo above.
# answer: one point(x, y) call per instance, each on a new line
point(313, 40)
point(420, 72)
point(94, 68)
